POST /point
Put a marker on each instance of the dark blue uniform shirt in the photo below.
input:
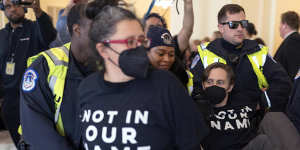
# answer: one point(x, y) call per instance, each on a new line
point(37, 108)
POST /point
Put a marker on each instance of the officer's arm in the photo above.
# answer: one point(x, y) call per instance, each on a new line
point(37, 110)
point(279, 84)
point(189, 125)
point(187, 26)
point(196, 70)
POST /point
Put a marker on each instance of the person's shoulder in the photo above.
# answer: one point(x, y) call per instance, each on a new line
point(91, 80)
point(163, 79)
point(5, 29)
point(91, 84)
point(293, 39)
point(37, 61)
point(240, 100)
point(91, 87)
point(251, 45)
point(161, 76)
point(215, 44)
point(28, 22)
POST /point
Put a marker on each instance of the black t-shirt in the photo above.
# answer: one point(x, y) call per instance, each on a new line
point(154, 113)
point(230, 126)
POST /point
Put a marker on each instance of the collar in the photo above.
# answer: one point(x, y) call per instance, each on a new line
point(222, 47)
point(77, 70)
point(9, 27)
point(232, 48)
point(288, 34)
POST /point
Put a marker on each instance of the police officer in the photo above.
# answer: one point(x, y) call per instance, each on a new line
point(255, 70)
point(48, 94)
point(20, 39)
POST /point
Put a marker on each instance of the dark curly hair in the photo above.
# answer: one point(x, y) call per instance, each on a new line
point(89, 11)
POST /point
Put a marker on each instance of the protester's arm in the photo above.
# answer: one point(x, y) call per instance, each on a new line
point(279, 84)
point(187, 26)
point(37, 111)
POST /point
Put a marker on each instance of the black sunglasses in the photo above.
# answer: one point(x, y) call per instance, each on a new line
point(235, 24)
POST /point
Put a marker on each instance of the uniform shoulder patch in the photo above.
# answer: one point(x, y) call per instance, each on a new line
point(29, 80)
point(195, 61)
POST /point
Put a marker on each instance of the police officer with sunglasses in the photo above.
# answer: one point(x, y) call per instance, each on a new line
point(257, 74)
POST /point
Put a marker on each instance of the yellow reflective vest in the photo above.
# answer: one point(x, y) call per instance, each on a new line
point(256, 59)
point(58, 60)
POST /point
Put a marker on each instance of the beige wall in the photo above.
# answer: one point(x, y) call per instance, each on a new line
point(141, 7)
point(265, 14)
point(257, 11)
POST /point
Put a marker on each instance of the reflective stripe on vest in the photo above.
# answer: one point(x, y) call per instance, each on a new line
point(57, 59)
point(207, 57)
point(258, 60)
point(190, 82)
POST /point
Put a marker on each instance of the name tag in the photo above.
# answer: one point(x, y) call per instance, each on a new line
point(10, 68)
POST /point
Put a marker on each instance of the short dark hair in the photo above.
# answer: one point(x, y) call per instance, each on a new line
point(229, 8)
point(218, 34)
point(104, 25)
point(251, 29)
point(89, 11)
point(226, 68)
point(76, 13)
point(291, 18)
point(260, 41)
point(155, 15)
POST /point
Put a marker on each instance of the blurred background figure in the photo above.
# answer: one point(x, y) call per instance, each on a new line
point(194, 45)
point(260, 41)
point(250, 31)
point(205, 39)
point(20, 39)
point(63, 35)
point(216, 35)
point(289, 51)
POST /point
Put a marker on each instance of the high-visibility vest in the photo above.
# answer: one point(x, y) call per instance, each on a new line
point(58, 60)
point(256, 59)
point(190, 82)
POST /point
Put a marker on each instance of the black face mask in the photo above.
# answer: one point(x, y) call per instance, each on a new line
point(215, 94)
point(134, 62)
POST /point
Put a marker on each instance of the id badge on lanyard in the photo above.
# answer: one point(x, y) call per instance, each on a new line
point(10, 67)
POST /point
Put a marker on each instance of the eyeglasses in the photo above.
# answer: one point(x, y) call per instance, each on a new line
point(235, 24)
point(212, 82)
point(130, 42)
